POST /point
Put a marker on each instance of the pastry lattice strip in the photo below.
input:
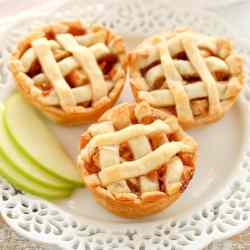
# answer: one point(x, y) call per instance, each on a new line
point(142, 166)
point(173, 70)
point(88, 63)
point(175, 84)
point(68, 64)
point(124, 135)
point(116, 172)
point(209, 82)
point(175, 46)
point(29, 57)
point(81, 94)
point(186, 69)
point(109, 155)
point(54, 72)
point(140, 146)
point(164, 97)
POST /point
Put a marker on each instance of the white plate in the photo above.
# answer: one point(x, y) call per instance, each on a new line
point(216, 204)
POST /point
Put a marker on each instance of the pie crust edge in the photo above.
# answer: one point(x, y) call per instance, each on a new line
point(76, 116)
point(140, 207)
point(239, 65)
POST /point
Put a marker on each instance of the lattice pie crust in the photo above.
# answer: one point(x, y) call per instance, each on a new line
point(70, 71)
point(195, 76)
point(136, 160)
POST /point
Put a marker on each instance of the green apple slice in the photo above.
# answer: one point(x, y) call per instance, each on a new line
point(23, 164)
point(35, 139)
point(25, 184)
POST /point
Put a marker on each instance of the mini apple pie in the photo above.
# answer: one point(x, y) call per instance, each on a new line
point(136, 160)
point(70, 71)
point(196, 77)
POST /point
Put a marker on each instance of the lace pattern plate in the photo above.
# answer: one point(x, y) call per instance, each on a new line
point(217, 204)
point(212, 4)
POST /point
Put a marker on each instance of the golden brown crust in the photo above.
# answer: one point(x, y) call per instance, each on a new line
point(130, 205)
point(199, 121)
point(78, 114)
point(135, 208)
point(224, 50)
point(74, 118)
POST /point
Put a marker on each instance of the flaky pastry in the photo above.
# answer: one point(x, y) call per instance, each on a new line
point(196, 77)
point(136, 160)
point(70, 71)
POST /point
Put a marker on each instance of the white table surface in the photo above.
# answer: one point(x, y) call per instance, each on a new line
point(236, 15)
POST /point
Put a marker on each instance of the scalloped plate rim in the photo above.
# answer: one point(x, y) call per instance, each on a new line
point(208, 240)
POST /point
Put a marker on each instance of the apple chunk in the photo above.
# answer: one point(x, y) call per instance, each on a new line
point(24, 164)
point(35, 139)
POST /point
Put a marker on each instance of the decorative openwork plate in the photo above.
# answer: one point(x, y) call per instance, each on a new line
point(216, 204)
